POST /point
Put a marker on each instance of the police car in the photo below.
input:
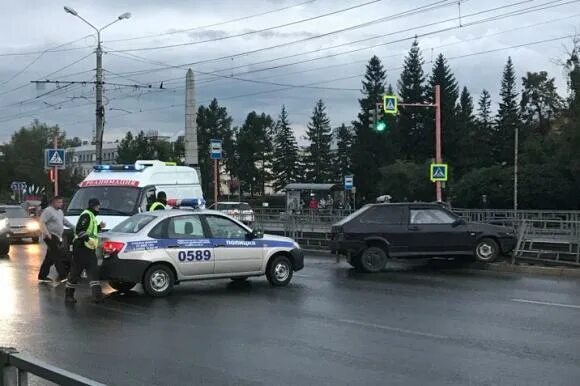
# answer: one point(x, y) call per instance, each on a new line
point(162, 248)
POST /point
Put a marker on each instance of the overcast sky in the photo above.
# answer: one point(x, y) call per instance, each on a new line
point(32, 26)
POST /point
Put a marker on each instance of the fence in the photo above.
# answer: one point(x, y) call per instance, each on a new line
point(514, 218)
point(15, 368)
point(554, 242)
point(543, 236)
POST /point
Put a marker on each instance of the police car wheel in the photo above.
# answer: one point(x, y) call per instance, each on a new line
point(279, 271)
point(121, 286)
point(158, 280)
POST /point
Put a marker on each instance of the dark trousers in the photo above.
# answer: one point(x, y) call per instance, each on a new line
point(54, 256)
point(83, 259)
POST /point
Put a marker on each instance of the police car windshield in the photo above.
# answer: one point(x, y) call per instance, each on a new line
point(115, 200)
point(133, 224)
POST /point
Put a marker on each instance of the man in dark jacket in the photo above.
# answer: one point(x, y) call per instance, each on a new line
point(84, 256)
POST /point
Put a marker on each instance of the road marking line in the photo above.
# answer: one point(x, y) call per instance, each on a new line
point(546, 303)
point(394, 329)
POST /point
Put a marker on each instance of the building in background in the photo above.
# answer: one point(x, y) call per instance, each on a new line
point(84, 157)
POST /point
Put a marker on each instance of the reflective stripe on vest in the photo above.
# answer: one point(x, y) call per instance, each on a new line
point(92, 230)
point(155, 205)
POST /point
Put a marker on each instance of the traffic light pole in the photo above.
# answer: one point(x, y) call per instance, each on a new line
point(438, 157)
point(438, 151)
point(55, 145)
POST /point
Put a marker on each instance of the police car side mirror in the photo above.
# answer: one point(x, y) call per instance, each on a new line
point(255, 235)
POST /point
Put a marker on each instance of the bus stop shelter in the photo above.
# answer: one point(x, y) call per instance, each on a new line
point(298, 194)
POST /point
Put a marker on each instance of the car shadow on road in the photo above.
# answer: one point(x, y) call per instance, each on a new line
point(434, 268)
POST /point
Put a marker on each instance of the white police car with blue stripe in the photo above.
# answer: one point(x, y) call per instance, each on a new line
point(162, 248)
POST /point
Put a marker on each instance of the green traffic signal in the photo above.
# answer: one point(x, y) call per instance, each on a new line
point(381, 126)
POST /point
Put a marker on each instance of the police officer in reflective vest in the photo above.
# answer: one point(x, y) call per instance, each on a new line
point(159, 203)
point(84, 256)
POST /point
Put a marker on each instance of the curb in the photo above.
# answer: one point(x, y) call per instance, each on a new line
point(530, 269)
point(566, 272)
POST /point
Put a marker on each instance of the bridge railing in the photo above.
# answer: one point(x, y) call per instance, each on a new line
point(15, 368)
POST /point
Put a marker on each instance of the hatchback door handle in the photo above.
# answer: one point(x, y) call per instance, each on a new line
point(414, 228)
point(173, 246)
point(219, 245)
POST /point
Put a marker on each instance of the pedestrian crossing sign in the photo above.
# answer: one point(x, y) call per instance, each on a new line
point(390, 104)
point(54, 158)
point(438, 172)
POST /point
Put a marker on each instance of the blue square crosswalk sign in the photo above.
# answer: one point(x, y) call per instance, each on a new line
point(438, 172)
point(55, 157)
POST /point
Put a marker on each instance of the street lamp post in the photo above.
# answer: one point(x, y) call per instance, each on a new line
point(99, 111)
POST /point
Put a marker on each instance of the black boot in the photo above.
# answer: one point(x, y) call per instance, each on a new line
point(97, 293)
point(69, 295)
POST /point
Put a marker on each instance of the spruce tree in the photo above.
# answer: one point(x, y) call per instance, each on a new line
point(507, 117)
point(285, 165)
point(466, 125)
point(342, 160)
point(412, 138)
point(452, 135)
point(485, 130)
point(254, 148)
point(318, 159)
point(213, 122)
point(370, 149)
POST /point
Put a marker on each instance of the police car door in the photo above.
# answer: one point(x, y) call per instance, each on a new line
point(188, 246)
point(234, 253)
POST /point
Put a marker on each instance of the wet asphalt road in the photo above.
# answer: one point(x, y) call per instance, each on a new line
point(435, 325)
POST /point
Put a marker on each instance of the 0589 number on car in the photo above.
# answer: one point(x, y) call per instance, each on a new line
point(194, 255)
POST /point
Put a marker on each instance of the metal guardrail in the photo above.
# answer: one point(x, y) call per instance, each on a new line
point(556, 242)
point(543, 236)
point(513, 218)
point(16, 366)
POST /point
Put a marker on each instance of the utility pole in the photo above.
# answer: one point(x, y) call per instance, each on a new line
point(516, 153)
point(99, 110)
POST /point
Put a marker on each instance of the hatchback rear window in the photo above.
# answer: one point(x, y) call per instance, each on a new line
point(390, 215)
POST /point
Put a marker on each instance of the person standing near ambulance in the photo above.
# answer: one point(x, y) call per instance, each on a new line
point(160, 203)
point(84, 256)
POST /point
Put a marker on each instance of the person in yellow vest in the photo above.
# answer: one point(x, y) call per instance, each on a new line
point(84, 256)
point(160, 203)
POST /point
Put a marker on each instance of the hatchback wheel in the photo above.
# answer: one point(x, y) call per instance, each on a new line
point(158, 280)
point(373, 259)
point(486, 250)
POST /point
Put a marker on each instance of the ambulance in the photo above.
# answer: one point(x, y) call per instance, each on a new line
point(124, 190)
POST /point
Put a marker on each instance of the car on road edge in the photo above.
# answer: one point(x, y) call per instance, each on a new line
point(376, 232)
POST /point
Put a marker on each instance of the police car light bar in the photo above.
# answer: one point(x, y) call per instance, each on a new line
point(186, 202)
point(128, 168)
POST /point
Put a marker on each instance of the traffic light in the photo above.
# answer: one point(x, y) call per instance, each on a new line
point(377, 119)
